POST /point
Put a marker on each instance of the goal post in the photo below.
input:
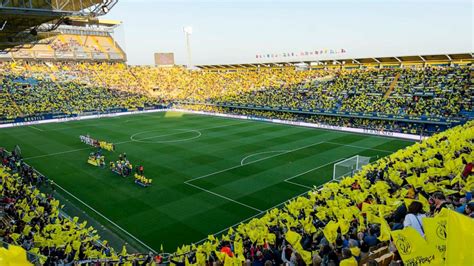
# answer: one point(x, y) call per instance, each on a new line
point(349, 166)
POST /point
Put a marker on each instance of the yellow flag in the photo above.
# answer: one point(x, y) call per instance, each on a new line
point(68, 249)
point(186, 261)
point(228, 261)
point(413, 248)
point(435, 233)
point(293, 238)
point(238, 248)
point(424, 202)
point(384, 230)
point(344, 225)
point(124, 251)
point(14, 255)
point(200, 258)
point(460, 236)
point(330, 231)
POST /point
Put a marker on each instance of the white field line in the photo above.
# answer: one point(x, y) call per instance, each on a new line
point(310, 170)
point(262, 212)
point(316, 168)
point(297, 184)
point(360, 147)
point(107, 219)
point(258, 153)
point(256, 161)
point(199, 134)
point(181, 131)
point(178, 133)
point(287, 180)
point(224, 197)
point(39, 129)
point(123, 142)
point(57, 153)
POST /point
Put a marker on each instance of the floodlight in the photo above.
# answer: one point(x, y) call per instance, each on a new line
point(188, 30)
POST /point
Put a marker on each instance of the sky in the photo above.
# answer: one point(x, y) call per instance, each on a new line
point(236, 31)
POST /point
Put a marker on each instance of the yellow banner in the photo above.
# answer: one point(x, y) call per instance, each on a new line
point(413, 248)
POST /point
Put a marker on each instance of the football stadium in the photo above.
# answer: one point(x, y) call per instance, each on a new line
point(295, 156)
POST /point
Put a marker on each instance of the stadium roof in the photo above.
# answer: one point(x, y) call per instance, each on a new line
point(394, 60)
point(82, 21)
point(23, 22)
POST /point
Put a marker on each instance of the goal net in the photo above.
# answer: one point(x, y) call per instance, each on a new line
point(349, 167)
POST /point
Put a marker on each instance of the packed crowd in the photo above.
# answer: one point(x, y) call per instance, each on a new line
point(33, 220)
point(435, 92)
point(72, 45)
point(441, 92)
point(329, 121)
point(339, 224)
point(342, 223)
point(21, 97)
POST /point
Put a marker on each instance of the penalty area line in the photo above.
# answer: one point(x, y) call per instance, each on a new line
point(360, 147)
point(309, 171)
point(224, 197)
point(279, 204)
point(107, 219)
point(252, 162)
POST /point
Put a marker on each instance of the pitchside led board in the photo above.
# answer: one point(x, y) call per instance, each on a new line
point(164, 59)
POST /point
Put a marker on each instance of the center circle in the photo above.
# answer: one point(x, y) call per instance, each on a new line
point(181, 135)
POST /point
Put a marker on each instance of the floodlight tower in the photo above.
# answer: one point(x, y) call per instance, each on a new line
point(188, 30)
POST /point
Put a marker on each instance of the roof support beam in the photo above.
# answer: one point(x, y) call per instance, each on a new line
point(376, 60)
point(422, 58)
point(449, 57)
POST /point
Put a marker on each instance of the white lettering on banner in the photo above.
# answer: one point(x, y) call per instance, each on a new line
point(378, 132)
point(59, 120)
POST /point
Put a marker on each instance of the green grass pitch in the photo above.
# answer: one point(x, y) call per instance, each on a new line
point(208, 172)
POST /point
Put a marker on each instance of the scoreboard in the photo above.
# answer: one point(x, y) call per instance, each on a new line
point(164, 59)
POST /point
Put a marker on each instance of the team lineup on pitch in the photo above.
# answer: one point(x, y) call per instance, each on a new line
point(249, 167)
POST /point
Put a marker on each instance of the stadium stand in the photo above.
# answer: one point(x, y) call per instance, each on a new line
point(410, 100)
point(32, 96)
point(438, 92)
point(34, 220)
point(26, 23)
point(78, 42)
point(432, 93)
point(352, 222)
